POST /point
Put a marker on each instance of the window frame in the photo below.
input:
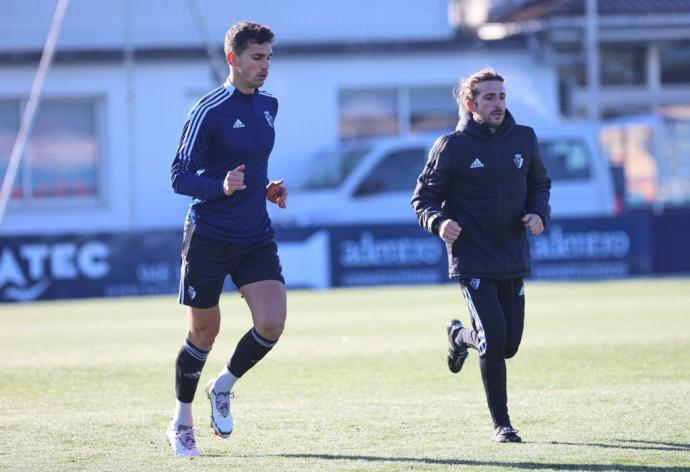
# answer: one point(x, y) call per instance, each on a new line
point(619, 55)
point(403, 108)
point(669, 63)
point(28, 201)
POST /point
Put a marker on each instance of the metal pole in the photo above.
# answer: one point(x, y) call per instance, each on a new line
point(131, 130)
point(592, 57)
point(220, 72)
point(32, 105)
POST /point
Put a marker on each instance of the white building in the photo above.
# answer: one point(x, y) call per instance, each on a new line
point(127, 71)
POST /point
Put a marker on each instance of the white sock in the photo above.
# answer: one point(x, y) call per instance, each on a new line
point(183, 414)
point(225, 381)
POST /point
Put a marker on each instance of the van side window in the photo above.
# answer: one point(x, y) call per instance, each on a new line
point(329, 170)
point(566, 158)
point(397, 172)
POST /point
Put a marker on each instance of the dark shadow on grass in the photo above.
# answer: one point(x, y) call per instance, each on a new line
point(671, 445)
point(471, 463)
point(631, 444)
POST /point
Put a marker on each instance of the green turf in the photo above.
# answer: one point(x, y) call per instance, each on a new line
point(358, 382)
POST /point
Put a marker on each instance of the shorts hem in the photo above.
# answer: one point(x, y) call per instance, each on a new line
point(261, 279)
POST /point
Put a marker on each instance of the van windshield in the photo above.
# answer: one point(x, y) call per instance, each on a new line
point(330, 169)
point(566, 158)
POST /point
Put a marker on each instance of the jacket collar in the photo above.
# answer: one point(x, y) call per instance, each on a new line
point(479, 130)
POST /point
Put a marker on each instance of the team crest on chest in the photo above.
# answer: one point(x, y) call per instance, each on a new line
point(518, 160)
point(269, 118)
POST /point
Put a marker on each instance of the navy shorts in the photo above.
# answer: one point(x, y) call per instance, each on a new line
point(207, 261)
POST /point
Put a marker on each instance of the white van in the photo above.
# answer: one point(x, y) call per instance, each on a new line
point(372, 181)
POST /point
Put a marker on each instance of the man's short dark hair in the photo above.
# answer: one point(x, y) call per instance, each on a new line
point(467, 90)
point(241, 34)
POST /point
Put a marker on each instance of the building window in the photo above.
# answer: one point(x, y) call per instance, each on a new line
point(622, 65)
point(9, 124)
point(675, 63)
point(392, 111)
point(432, 109)
point(365, 113)
point(62, 157)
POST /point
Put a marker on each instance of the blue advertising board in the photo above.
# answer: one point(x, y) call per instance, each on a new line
point(146, 263)
point(671, 236)
point(385, 255)
point(593, 249)
point(97, 265)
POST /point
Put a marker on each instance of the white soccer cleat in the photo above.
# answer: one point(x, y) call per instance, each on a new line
point(221, 418)
point(182, 440)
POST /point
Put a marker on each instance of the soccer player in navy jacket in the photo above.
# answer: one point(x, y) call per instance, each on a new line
point(482, 189)
point(222, 162)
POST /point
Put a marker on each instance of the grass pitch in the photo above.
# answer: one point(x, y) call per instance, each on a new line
point(358, 382)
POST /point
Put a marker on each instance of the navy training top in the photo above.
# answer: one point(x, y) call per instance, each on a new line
point(225, 129)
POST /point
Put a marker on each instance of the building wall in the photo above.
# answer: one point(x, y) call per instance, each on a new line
point(139, 137)
point(156, 23)
point(142, 105)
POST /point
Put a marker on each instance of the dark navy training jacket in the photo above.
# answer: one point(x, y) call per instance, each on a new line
point(225, 129)
point(486, 182)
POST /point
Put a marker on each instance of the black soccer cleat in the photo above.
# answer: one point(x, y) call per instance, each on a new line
point(506, 434)
point(457, 353)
